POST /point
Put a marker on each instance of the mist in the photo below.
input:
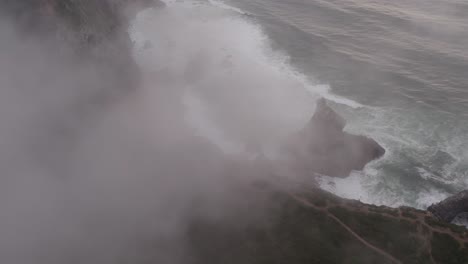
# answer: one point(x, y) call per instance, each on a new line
point(225, 61)
point(94, 171)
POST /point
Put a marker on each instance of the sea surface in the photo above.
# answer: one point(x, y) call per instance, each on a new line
point(396, 70)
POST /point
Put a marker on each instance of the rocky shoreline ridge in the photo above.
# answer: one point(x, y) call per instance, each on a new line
point(309, 225)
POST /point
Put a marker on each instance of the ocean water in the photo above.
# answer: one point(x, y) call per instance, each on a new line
point(396, 70)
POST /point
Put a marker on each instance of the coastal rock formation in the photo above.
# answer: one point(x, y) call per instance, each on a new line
point(451, 207)
point(303, 226)
point(323, 147)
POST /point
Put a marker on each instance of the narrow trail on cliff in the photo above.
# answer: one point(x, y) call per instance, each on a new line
point(354, 234)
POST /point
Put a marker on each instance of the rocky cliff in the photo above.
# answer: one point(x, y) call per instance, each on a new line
point(323, 147)
point(304, 225)
point(451, 207)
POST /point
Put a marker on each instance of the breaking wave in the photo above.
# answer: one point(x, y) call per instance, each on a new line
point(220, 60)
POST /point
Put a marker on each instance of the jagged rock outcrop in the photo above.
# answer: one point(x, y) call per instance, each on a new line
point(323, 147)
point(451, 207)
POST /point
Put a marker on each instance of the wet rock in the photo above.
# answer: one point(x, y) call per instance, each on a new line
point(448, 209)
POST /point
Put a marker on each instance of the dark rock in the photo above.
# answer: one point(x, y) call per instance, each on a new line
point(323, 147)
point(131, 7)
point(451, 207)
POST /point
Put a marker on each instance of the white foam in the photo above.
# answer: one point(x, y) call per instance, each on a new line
point(350, 187)
point(426, 198)
point(250, 90)
point(325, 91)
point(360, 185)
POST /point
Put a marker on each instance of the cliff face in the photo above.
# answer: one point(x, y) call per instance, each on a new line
point(303, 226)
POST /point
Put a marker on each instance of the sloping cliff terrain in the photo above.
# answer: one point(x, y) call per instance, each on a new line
point(298, 223)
